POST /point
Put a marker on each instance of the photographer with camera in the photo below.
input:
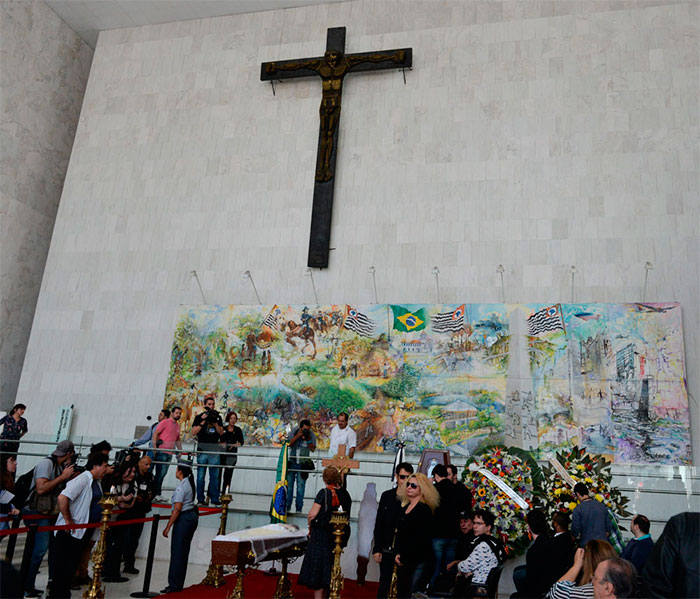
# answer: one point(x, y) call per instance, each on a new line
point(302, 442)
point(208, 428)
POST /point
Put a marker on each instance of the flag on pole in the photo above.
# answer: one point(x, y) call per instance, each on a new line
point(271, 319)
point(545, 320)
point(448, 322)
point(357, 322)
point(407, 321)
point(278, 505)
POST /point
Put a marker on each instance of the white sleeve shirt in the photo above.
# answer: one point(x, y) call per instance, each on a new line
point(345, 436)
point(79, 494)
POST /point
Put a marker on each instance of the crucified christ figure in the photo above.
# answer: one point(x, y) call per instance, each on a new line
point(332, 69)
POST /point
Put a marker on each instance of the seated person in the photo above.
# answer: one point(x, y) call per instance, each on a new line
point(564, 547)
point(485, 555)
point(614, 578)
point(536, 576)
point(577, 582)
point(639, 548)
point(465, 538)
point(464, 547)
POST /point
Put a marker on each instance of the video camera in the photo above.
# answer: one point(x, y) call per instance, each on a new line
point(211, 416)
point(124, 455)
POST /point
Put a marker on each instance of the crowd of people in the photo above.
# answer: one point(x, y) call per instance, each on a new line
point(428, 540)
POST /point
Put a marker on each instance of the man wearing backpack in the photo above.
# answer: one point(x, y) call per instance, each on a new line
point(48, 480)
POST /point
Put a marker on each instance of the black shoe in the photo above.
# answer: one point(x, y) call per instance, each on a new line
point(115, 579)
point(33, 593)
point(168, 590)
point(130, 570)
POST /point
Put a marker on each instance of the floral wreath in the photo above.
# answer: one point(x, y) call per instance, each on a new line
point(592, 470)
point(519, 471)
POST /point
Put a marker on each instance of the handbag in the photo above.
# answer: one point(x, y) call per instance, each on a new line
point(305, 466)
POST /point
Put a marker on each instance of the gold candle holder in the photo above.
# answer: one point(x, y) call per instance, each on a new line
point(95, 590)
point(394, 585)
point(339, 521)
point(215, 573)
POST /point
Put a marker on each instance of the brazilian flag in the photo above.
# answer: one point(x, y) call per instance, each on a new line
point(407, 321)
point(278, 505)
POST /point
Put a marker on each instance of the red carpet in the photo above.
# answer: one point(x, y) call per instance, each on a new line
point(258, 585)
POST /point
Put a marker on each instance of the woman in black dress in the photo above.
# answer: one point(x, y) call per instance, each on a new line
point(316, 569)
point(230, 441)
point(414, 548)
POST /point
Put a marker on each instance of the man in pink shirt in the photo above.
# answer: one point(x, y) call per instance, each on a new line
point(166, 436)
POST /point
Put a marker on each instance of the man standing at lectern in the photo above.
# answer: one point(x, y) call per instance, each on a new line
point(342, 434)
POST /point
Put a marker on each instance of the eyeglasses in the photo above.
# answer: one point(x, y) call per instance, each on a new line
point(404, 476)
point(412, 485)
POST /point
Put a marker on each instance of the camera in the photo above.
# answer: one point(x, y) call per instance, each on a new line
point(125, 455)
point(212, 416)
point(74, 462)
point(306, 433)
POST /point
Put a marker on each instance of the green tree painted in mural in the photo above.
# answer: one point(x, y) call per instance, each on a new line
point(336, 399)
point(404, 384)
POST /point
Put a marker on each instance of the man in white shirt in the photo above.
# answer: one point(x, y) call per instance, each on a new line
point(74, 505)
point(342, 434)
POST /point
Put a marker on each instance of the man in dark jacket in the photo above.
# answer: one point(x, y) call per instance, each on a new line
point(388, 516)
point(590, 519)
point(672, 568)
point(639, 547)
point(446, 522)
point(536, 577)
point(466, 503)
point(564, 547)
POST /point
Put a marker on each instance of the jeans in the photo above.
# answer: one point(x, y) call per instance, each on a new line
point(519, 579)
point(444, 552)
point(43, 542)
point(161, 471)
point(410, 579)
point(182, 533)
point(204, 460)
point(295, 475)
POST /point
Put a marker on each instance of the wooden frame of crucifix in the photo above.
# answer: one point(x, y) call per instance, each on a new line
point(331, 68)
point(343, 463)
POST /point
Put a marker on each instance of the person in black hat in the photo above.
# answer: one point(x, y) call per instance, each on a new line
point(183, 522)
point(49, 479)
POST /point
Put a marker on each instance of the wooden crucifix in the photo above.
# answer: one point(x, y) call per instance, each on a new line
point(331, 68)
point(343, 463)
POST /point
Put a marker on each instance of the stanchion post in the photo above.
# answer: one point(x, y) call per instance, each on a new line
point(215, 573)
point(338, 520)
point(95, 590)
point(146, 593)
point(12, 541)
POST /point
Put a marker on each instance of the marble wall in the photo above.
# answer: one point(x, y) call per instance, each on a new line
point(45, 68)
point(537, 135)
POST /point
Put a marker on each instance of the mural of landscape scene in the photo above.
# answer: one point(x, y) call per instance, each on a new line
point(608, 377)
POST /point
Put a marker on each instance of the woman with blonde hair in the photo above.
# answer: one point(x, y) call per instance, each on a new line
point(316, 570)
point(585, 562)
point(419, 498)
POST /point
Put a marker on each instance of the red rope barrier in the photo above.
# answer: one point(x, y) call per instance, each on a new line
point(204, 511)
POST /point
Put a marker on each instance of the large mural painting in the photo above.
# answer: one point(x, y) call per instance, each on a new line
point(608, 377)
